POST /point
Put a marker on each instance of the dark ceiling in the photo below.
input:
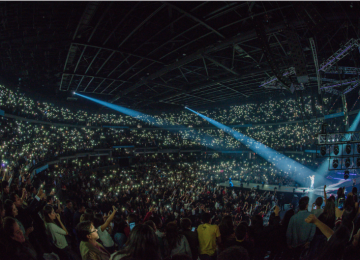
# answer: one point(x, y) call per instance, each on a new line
point(151, 55)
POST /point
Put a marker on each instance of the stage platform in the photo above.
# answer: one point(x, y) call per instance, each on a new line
point(287, 189)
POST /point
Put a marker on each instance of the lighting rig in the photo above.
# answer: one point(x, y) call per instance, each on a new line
point(342, 149)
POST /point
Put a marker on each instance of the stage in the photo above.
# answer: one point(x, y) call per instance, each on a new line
point(287, 189)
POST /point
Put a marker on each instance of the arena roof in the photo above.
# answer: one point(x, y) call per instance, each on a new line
point(150, 54)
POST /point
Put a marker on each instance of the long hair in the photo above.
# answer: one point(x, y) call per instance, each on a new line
point(46, 211)
point(340, 193)
point(98, 220)
point(172, 235)
point(286, 220)
point(8, 207)
point(335, 247)
point(348, 217)
point(8, 227)
point(142, 244)
point(329, 210)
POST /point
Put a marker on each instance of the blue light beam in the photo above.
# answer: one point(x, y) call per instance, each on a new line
point(279, 160)
point(185, 132)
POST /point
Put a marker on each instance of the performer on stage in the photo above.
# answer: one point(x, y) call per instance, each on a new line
point(312, 180)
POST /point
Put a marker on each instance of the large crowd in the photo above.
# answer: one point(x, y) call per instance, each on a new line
point(165, 208)
point(165, 205)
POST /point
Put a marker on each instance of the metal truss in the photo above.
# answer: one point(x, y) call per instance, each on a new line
point(341, 53)
point(324, 79)
point(316, 62)
point(339, 138)
point(350, 88)
point(344, 70)
point(341, 83)
point(274, 79)
point(333, 91)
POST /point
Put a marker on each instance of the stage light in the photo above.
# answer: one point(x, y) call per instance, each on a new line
point(323, 168)
point(346, 175)
point(336, 149)
point(189, 133)
point(347, 163)
point(348, 148)
point(335, 163)
point(323, 150)
point(277, 159)
point(358, 162)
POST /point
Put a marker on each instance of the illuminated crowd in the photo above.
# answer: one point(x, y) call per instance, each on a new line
point(155, 189)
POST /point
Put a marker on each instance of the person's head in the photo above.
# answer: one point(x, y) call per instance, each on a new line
point(340, 192)
point(172, 234)
point(257, 221)
point(98, 220)
point(348, 216)
point(50, 199)
point(131, 218)
point(349, 202)
point(185, 224)
point(16, 199)
point(87, 216)
point(240, 232)
point(86, 231)
point(354, 190)
point(49, 214)
point(12, 230)
point(81, 208)
point(206, 218)
point(151, 224)
point(304, 203)
point(10, 209)
point(227, 220)
point(234, 253)
point(5, 187)
point(319, 201)
point(142, 244)
point(329, 209)
point(69, 204)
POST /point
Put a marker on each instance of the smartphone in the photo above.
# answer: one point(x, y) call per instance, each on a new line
point(193, 229)
point(341, 203)
point(132, 225)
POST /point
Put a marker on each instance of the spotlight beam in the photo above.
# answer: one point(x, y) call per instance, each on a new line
point(185, 132)
point(280, 161)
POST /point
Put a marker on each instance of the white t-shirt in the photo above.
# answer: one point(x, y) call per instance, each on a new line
point(105, 237)
point(57, 234)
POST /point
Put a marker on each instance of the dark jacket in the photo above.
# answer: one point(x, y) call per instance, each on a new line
point(192, 238)
point(76, 219)
point(13, 250)
point(68, 219)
